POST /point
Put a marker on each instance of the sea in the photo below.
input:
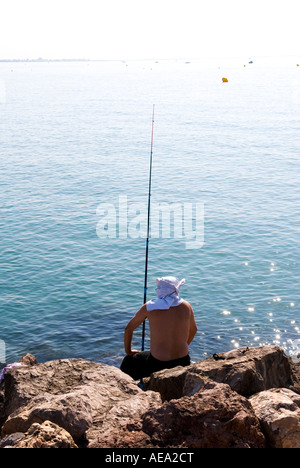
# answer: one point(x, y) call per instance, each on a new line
point(75, 150)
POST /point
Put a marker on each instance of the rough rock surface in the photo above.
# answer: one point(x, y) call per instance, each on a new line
point(76, 395)
point(245, 370)
point(245, 398)
point(216, 417)
point(46, 435)
point(279, 413)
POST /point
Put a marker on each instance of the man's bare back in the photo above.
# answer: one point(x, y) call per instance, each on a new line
point(170, 331)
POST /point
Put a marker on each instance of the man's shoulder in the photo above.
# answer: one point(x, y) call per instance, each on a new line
point(187, 304)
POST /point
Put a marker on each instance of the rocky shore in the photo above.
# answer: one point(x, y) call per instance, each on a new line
point(246, 398)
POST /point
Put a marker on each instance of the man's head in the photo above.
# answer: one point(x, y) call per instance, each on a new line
point(168, 285)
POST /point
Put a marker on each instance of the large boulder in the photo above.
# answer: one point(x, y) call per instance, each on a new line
point(75, 394)
point(245, 370)
point(214, 417)
point(279, 413)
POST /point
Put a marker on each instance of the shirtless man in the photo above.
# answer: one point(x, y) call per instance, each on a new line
point(172, 329)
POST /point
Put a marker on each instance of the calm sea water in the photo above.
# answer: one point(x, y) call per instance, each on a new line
point(77, 135)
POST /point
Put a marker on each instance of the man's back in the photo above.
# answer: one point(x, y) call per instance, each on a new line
point(170, 331)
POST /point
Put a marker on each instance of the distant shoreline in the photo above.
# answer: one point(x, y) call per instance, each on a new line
point(125, 60)
point(48, 60)
point(44, 60)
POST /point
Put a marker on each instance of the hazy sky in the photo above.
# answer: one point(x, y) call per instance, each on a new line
point(128, 29)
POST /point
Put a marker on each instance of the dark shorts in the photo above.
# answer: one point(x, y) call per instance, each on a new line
point(143, 364)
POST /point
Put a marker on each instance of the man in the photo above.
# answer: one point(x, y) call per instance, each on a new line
point(172, 329)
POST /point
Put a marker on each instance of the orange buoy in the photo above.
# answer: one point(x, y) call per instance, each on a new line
point(224, 80)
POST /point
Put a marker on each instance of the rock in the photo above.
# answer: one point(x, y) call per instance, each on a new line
point(11, 440)
point(2, 416)
point(74, 394)
point(53, 377)
point(245, 370)
point(279, 413)
point(46, 435)
point(168, 382)
point(28, 360)
point(70, 411)
point(296, 376)
point(123, 415)
point(244, 398)
point(215, 417)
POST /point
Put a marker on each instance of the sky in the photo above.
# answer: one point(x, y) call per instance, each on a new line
point(152, 29)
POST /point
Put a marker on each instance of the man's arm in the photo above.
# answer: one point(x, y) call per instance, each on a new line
point(134, 323)
point(193, 327)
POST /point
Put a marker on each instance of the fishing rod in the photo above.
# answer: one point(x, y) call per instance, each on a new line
point(148, 229)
